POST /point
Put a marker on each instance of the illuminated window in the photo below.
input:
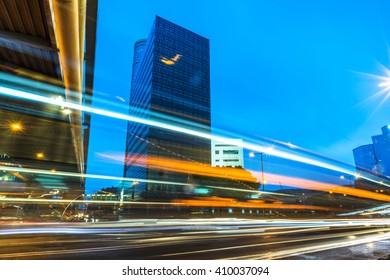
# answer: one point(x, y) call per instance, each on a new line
point(230, 152)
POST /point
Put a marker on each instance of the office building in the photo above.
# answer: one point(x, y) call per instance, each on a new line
point(365, 159)
point(374, 158)
point(227, 154)
point(170, 85)
point(381, 144)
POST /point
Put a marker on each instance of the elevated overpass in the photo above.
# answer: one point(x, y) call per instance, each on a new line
point(47, 47)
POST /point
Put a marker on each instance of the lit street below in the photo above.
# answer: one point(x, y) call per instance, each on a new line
point(198, 239)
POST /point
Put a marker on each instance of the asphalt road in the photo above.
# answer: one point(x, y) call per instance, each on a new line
point(197, 239)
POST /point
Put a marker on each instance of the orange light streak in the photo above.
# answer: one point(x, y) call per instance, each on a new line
point(181, 166)
point(253, 204)
point(325, 187)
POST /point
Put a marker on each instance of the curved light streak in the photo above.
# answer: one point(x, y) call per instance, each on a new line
point(116, 178)
point(275, 152)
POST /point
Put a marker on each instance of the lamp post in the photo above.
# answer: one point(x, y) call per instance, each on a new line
point(15, 126)
point(133, 189)
point(350, 177)
point(252, 154)
point(73, 200)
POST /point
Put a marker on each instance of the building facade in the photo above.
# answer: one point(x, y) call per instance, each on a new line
point(375, 158)
point(224, 155)
point(365, 159)
point(381, 144)
point(170, 86)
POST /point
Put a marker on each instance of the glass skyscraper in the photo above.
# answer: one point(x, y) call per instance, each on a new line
point(365, 159)
point(375, 158)
point(381, 145)
point(170, 85)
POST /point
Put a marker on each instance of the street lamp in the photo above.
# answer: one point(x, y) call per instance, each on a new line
point(252, 154)
point(40, 155)
point(350, 177)
point(16, 126)
point(73, 200)
point(133, 189)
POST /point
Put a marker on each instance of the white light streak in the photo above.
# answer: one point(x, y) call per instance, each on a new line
point(262, 149)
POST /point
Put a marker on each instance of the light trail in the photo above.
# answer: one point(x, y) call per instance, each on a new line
point(116, 178)
point(367, 211)
point(287, 242)
point(251, 204)
point(322, 246)
point(195, 168)
point(273, 178)
point(83, 201)
point(326, 187)
point(78, 175)
point(257, 148)
point(119, 237)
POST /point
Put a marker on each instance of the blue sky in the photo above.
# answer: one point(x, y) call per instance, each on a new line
point(286, 70)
